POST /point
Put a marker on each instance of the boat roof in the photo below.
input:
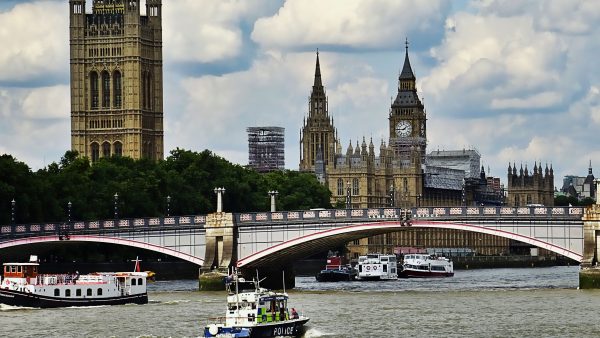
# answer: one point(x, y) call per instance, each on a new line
point(21, 264)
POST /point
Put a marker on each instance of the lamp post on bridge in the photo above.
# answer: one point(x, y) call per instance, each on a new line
point(116, 196)
point(168, 205)
point(13, 204)
point(348, 196)
point(273, 194)
point(219, 192)
point(392, 195)
point(69, 212)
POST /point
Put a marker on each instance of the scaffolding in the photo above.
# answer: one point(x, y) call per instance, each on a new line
point(266, 148)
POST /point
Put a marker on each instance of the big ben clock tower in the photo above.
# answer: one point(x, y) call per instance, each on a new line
point(407, 117)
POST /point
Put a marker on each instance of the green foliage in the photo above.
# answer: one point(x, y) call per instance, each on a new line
point(564, 200)
point(187, 177)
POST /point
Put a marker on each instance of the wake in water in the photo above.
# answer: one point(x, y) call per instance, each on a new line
point(4, 307)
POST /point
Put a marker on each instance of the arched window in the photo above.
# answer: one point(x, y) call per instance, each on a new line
point(105, 149)
point(140, 281)
point(149, 90)
point(528, 199)
point(68, 293)
point(355, 190)
point(94, 89)
point(405, 184)
point(117, 91)
point(95, 150)
point(340, 187)
point(133, 281)
point(57, 292)
point(89, 292)
point(99, 292)
point(118, 149)
point(105, 89)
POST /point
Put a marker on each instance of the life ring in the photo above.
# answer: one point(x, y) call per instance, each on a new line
point(375, 267)
point(368, 267)
point(213, 329)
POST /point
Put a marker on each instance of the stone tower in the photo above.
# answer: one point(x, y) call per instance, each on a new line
point(317, 131)
point(527, 188)
point(407, 118)
point(116, 79)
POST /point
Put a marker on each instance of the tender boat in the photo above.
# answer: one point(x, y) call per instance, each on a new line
point(22, 285)
point(253, 311)
point(423, 265)
point(336, 270)
point(377, 266)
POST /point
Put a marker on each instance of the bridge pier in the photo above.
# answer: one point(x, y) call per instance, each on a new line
point(589, 275)
point(220, 252)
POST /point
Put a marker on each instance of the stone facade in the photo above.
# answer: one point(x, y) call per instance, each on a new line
point(116, 79)
point(526, 189)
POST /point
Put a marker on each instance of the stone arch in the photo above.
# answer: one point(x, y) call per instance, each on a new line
point(106, 149)
point(93, 90)
point(117, 89)
point(105, 89)
point(95, 151)
point(118, 148)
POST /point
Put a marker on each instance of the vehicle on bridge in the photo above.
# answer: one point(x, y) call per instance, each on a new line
point(253, 311)
point(423, 266)
point(336, 270)
point(377, 266)
point(24, 286)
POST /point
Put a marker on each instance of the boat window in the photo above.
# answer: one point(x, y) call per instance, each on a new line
point(13, 269)
point(140, 281)
point(78, 292)
point(393, 270)
point(57, 292)
point(384, 259)
point(99, 291)
point(373, 256)
point(385, 268)
point(67, 293)
point(19, 269)
point(89, 292)
point(133, 281)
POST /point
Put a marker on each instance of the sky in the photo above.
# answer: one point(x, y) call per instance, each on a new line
point(517, 80)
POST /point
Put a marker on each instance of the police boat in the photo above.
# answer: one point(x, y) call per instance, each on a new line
point(253, 311)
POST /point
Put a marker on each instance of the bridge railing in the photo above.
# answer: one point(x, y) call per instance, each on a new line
point(111, 225)
point(382, 214)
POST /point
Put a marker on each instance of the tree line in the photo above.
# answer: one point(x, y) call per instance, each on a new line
point(183, 183)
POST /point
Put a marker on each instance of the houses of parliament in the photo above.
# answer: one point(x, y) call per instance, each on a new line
point(404, 175)
point(116, 79)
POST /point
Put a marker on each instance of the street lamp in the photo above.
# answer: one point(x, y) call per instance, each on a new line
point(418, 200)
point(116, 209)
point(69, 212)
point(392, 195)
point(273, 194)
point(168, 205)
point(348, 196)
point(219, 192)
point(12, 211)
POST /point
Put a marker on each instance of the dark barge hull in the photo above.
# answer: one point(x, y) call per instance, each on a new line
point(293, 328)
point(423, 274)
point(334, 276)
point(17, 298)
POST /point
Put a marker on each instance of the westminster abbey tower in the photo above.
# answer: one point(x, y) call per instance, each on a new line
point(116, 79)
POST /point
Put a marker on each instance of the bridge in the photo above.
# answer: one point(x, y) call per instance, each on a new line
point(270, 241)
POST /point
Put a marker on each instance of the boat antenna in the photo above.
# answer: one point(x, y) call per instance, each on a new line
point(237, 293)
point(283, 281)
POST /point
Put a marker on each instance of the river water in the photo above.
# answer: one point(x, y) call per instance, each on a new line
point(534, 302)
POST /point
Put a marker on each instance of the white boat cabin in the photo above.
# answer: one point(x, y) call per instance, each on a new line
point(377, 266)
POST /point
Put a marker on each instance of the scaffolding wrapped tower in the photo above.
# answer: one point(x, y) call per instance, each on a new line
point(266, 148)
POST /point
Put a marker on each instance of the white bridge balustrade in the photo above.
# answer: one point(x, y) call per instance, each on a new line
point(271, 238)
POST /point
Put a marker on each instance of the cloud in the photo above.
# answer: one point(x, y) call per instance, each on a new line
point(206, 30)
point(34, 40)
point(47, 102)
point(358, 24)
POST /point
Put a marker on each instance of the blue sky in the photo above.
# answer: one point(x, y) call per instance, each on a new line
point(517, 80)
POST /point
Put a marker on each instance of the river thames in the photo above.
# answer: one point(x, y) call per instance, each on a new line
point(536, 302)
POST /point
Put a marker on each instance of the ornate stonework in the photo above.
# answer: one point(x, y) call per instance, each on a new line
point(116, 79)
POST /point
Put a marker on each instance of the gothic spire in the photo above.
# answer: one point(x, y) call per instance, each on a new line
point(318, 83)
point(407, 72)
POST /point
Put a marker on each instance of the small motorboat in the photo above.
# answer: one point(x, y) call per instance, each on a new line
point(425, 266)
point(336, 270)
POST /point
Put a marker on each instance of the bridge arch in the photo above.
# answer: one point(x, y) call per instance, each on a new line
point(305, 245)
point(102, 239)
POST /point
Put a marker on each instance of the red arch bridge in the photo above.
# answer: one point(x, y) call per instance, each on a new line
point(267, 239)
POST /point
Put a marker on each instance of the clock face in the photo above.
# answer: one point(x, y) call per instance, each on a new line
point(403, 128)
